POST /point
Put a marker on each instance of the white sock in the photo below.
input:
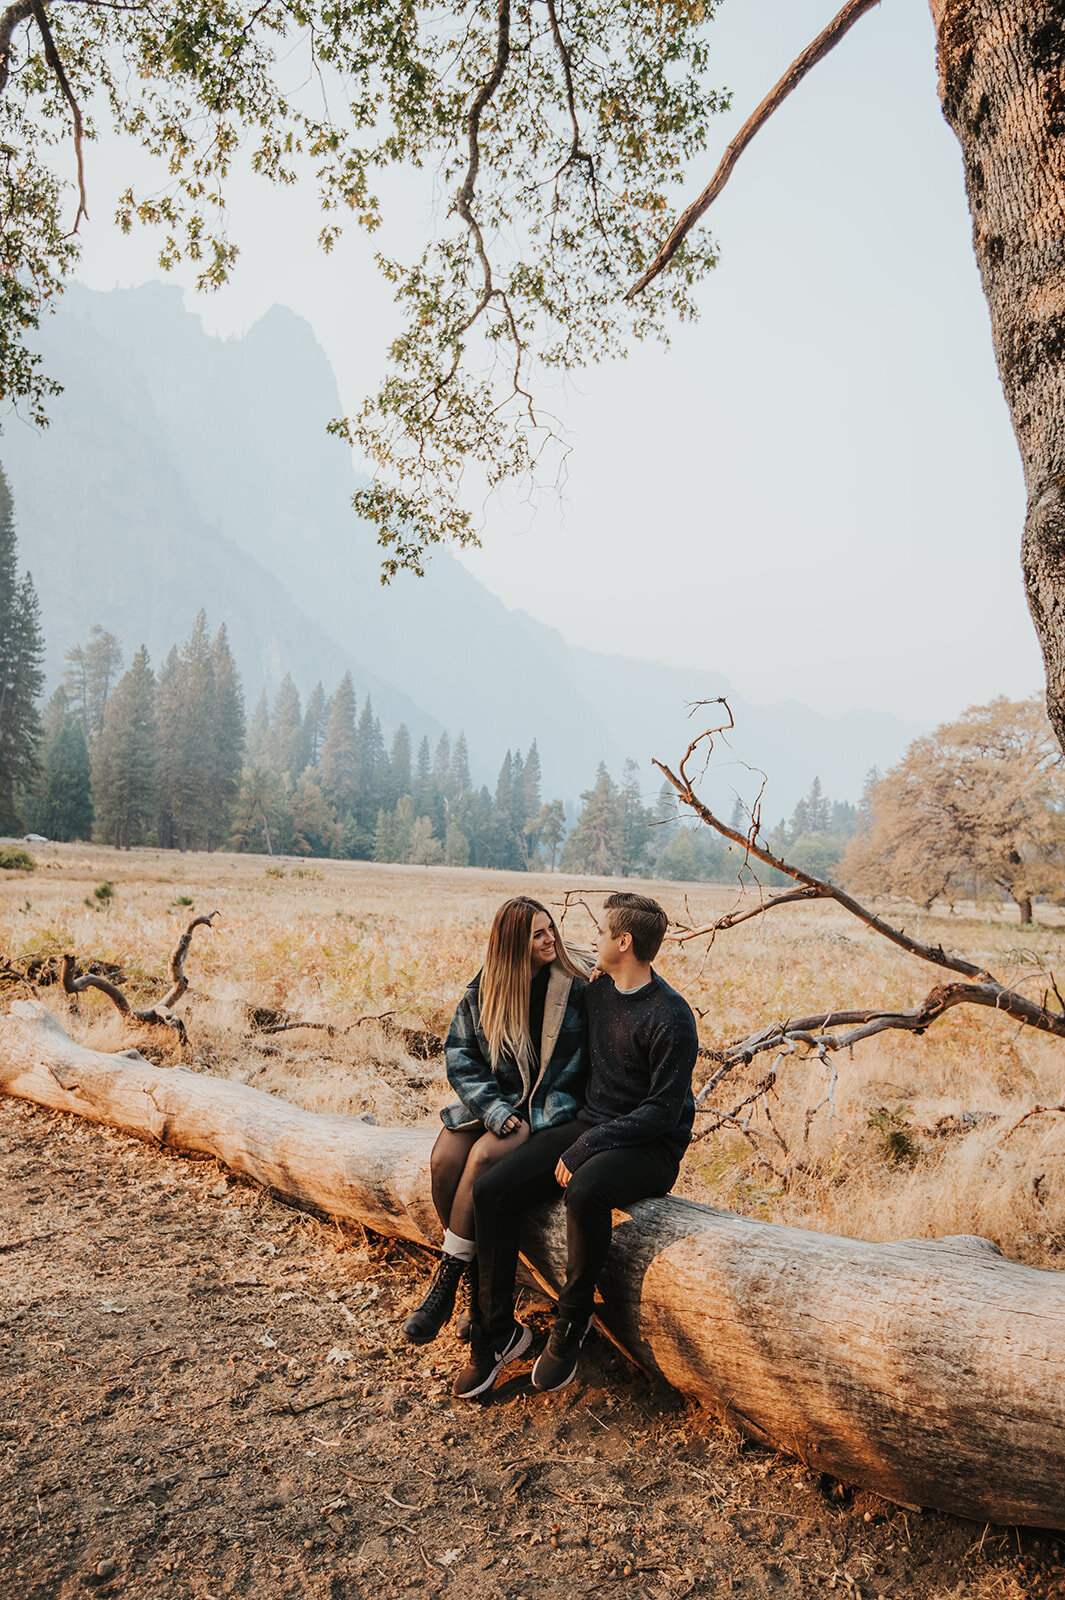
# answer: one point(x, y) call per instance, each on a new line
point(456, 1245)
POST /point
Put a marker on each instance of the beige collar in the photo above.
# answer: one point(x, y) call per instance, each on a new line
point(558, 988)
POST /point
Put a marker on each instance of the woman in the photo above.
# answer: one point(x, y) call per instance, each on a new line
point(515, 1058)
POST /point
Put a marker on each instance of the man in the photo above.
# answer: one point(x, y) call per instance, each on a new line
point(625, 1145)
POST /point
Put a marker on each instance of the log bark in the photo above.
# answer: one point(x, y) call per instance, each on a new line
point(932, 1371)
point(1002, 88)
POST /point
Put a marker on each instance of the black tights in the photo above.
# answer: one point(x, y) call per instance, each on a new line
point(614, 1178)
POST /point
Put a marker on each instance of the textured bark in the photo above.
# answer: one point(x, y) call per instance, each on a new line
point(1002, 87)
point(932, 1371)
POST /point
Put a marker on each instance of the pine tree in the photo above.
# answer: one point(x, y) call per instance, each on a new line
point(399, 774)
point(314, 720)
point(636, 823)
point(167, 700)
point(186, 764)
point(21, 678)
point(383, 845)
point(459, 781)
point(370, 774)
point(314, 831)
point(339, 765)
point(442, 766)
point(476, 821)
point(226, 740)
point(423, 775)
point(288, 732)
point(259, 741)
point(818, 811)
point(865, 804)
point(92, 672)
point(503, 845)
point(402, 830)
point(62, 804)
point(124, 760)
point(595, 845)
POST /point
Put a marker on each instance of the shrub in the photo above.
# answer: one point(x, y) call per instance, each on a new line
point(896, 1142)
point(12, 859)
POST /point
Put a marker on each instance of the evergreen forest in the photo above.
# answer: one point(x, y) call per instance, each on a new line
point(133, 754)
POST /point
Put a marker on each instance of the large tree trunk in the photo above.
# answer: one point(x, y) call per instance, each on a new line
point(1002, 87)
point(932, 1371)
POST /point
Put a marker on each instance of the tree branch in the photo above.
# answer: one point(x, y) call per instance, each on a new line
point(473, 128)
point(160, 1014)
point(732, 919)
point(865, 1023)
point(9, 21)
point(177, 960)
point(51, 55)
point(820, 890)
point(89, 980)
point(810, 1032)
point(802, 64)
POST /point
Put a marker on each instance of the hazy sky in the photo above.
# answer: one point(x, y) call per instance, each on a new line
point(815, 490)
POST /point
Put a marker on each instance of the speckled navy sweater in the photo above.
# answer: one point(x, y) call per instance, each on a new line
point(642, 1050)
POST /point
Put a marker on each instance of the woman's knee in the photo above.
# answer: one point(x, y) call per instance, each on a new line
point(490, 1150)
point(448, 1156)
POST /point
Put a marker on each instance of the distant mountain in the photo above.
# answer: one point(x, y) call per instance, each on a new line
point(182, 470)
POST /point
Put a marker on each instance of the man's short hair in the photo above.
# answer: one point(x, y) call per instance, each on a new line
point(639, 916)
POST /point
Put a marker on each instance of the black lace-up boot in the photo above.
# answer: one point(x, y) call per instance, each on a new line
point(467, 1300)
point(425, 1322)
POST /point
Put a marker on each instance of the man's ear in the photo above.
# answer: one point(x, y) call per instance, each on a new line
point(624, 942)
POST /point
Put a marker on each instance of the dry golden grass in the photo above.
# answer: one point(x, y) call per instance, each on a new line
point(341, 942)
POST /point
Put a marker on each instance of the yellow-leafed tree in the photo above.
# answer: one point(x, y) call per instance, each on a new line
point(978, 803)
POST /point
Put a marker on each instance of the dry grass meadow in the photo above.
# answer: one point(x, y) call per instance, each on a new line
point(921, 1137)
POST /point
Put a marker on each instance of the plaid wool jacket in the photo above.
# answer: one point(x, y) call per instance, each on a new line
point(488, 1097)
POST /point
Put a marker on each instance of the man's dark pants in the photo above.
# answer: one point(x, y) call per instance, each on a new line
point(502, 1195)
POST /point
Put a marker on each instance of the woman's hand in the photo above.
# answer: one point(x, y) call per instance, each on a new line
point(511, 1125)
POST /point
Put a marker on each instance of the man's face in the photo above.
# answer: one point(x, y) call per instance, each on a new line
point(609, 947)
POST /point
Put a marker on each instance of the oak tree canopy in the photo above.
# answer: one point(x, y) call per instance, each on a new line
point(558, 134)
point(561, 136)
point(977, 803)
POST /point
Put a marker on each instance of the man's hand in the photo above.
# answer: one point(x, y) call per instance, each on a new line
point(562, 1174)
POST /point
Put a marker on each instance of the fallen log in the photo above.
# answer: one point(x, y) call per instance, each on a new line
point(931, 1371)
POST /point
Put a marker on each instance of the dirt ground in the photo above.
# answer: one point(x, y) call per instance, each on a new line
point(204, 1393)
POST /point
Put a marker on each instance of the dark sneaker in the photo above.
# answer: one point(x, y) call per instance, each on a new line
point(557, 1363)
point(487, 1361)
point(425, 1322)
point(465, 1302)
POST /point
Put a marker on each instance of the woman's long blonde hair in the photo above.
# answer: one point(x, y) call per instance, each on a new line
point(506, 978)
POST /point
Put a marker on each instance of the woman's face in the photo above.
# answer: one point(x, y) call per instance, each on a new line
point(543, 941)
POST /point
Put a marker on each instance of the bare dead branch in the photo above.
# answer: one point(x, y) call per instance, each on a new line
point(1036, 1111)
point(815, 52)
point(808, 1031)
point(177, 960)
point(89, 980)
point(289, 1027)
point(732, 919)
point(158, 1015)
point(829, 1032)
point(749, 842)
point(54, 60)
